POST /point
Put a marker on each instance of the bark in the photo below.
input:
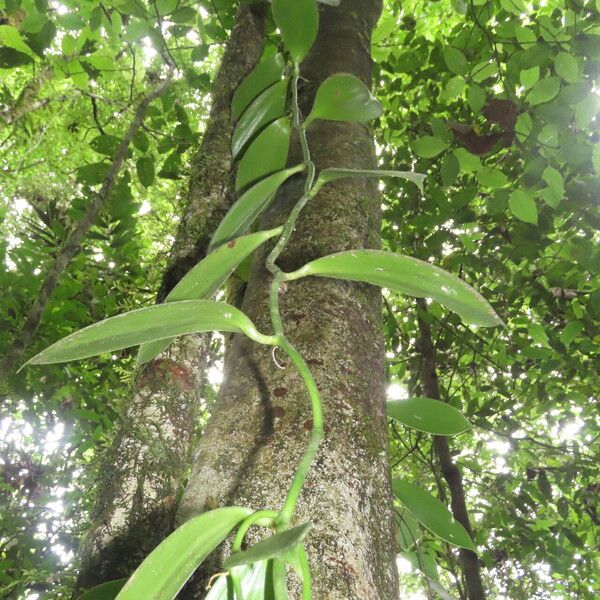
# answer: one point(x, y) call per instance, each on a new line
point(72, 244)
point(450, 471)
point(144, 470)
point(260, 424)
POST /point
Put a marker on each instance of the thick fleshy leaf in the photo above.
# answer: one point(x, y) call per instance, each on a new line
point(266, 154)
point(271, 547)
point(269, 105)
point(431, 513)
point(428, 415)
point(334, 173)
point(104, 591)
point(266, 73)
point(166, 569)
point(253, 581)
point(298, 22)
point(279, 579)
point(136, 327)
point(203, 280)
point(406, 275)
point(249, 206)
point(344, 97)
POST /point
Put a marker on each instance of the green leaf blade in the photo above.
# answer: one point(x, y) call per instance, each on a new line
point(428, 415)
point(298, 22)
point(344, 97)
point(266, 73)
point(166, 569)
point(331, 174)
point(431, 513)
point(406, 275)
point(267, 107)
point(249, 206)
point(206, 277)
point(271, 547)
point(105, 591)
point(149, 324)
point(267, 153)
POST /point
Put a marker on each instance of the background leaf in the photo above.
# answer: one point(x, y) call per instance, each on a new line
point(428, 415)
point(431, 513)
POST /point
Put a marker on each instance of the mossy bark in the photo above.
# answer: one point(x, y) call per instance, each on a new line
point(260, 426)
point(143, 471)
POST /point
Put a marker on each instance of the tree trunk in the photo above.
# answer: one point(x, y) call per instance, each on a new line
point(260, 425)
point(451, 473)
point(144, 470)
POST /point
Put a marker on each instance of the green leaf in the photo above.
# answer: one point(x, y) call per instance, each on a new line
point(429, 146)
point(596, 158)
point(269, 105)
point(105, 144)
point(141, 141)
point(273, 546)
point(147, 325)
point(544, 90)
point(538, 334)
point(298, 22)
point(166, 569)
point(555, 180)
point(92, 174)
point(204, 279)
point(266, 73)
point(104, 591)
point(249, 206)
point(406, 275)
point(572, 330)
point(566, 67)
point(492, 177)
point(267, 153)
point(523, 206)
point(455, 60)
point(145, 170)
point(279, 576)
point(252, 578)
point(476, 98)
point(331, 174)
point(529, 77)
point(344, 97)
point(11, 38)
point(428, 415)
point(431, 513)
point(453, 89)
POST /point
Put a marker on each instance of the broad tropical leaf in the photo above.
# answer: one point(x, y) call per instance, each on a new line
point(271, 547)
point(428, 415)
point(249, 206)
point(269, 105)
point(147, 325)
point(332, 174)
point(203, 280)
point(267, 153)
point(166, 569)
point(431, 513)
point(344, 97)
point(298, 22)
point(266, 73)
point(406, 275)
point(104, 591)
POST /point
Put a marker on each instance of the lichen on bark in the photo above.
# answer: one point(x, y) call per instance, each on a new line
point(260, 424)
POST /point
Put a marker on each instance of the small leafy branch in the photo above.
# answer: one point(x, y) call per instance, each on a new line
point(266, 105)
